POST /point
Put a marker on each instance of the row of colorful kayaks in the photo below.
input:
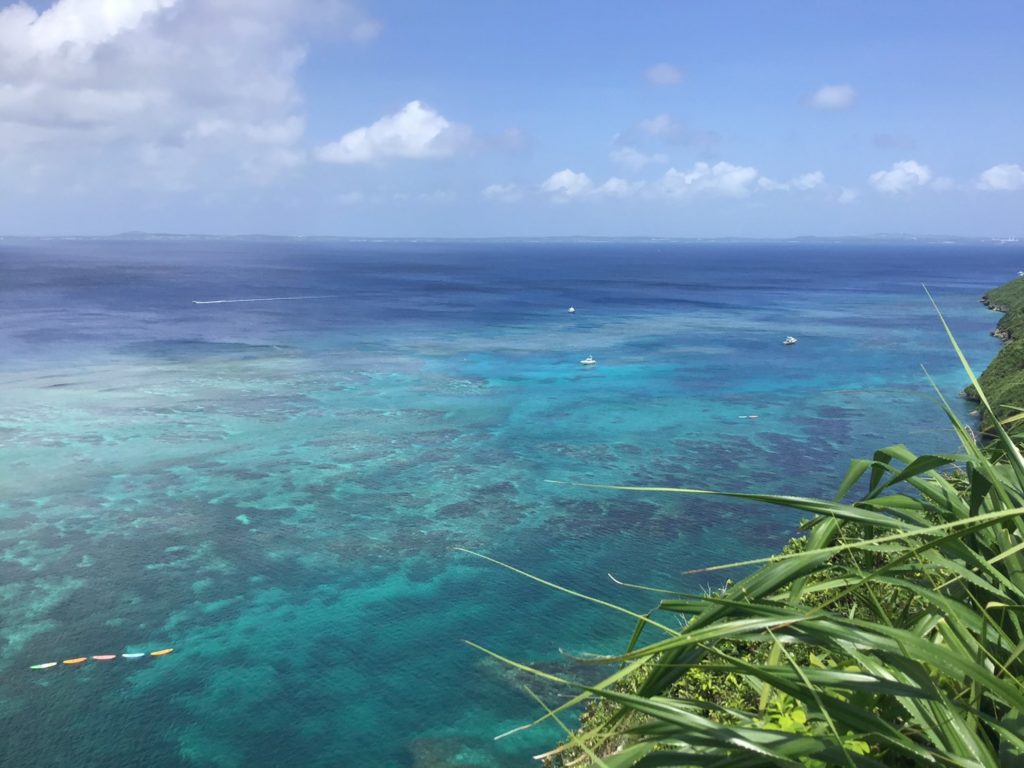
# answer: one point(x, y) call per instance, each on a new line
point(104, 657)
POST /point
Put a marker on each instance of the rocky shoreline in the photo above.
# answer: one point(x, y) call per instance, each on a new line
point(1000, 333)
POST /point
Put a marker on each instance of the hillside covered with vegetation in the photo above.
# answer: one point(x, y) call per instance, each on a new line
point(890, 634)
point(1003, 379)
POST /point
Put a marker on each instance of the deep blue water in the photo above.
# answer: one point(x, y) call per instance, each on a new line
point(276, 489)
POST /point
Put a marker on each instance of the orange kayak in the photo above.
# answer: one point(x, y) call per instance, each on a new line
point(105, 658)
point(79, 660)
point(164, 652)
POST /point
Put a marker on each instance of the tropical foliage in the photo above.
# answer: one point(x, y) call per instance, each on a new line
point(891, 634)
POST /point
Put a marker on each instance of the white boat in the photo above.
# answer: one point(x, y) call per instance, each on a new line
point(588, 360)
point(572, 310)
point(789, 340)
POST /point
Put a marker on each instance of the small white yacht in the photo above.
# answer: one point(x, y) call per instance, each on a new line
point(789, 340)
point(588, 360)
point(572, 310)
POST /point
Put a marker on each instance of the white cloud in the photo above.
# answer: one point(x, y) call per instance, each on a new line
point(662, 126)
point(721, 179)
point(383, 196)
point(1005, 177)
point(848, 195)
point(635, 160)
point(800, 183)
point(272, 161)
point(566, 185)
point(414, 132)
point(503, 193)
point(833, 97)
point(616, 187)
point(808, 180)
point(70, 31)
point(123, 91)
point(286, 131)
point(664, 74)
point(667, 128)
point(902, 177)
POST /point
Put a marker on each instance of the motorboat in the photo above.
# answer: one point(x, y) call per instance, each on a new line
point(588, 360)
point(572, 310)
point(789, 340)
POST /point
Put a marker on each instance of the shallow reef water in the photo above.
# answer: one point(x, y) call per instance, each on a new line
point(278, 489)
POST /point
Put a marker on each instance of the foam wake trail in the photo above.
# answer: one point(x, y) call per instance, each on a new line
point(271, 298)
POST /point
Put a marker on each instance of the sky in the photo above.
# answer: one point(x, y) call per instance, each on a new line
point(463, 118)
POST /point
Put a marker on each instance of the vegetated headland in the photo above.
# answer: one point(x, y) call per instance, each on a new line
point(1003, 379)
point(889, 634)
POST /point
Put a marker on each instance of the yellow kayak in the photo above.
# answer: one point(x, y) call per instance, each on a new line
point(164, 652)
point(79, 660)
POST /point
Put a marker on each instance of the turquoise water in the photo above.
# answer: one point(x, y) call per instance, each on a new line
point(276, 489)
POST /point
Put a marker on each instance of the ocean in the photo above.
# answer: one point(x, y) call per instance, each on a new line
point(281, 490)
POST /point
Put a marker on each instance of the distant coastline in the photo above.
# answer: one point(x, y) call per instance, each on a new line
point(879, 238)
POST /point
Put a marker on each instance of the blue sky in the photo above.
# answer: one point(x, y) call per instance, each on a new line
point(477, 119)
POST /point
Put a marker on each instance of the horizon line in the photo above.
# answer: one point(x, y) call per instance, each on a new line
point(903, 236)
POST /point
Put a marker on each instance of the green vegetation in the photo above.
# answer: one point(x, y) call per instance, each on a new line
point(1003, 379)
point(891, 634)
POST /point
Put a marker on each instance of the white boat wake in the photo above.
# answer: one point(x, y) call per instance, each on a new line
point(271, 298)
